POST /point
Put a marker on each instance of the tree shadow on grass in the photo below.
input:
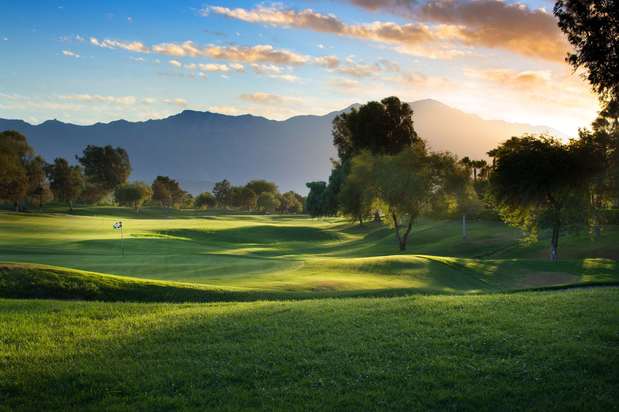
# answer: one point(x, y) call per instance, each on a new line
point(318, 356)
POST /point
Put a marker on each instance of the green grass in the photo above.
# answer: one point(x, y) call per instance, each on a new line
point(524, 351)
point(290, 256)
point(432, 328)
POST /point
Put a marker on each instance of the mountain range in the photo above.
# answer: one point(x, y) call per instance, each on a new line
point(199, 148)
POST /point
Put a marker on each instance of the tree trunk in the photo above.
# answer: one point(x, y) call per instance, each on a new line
point(360, 220)
point(402, 239)
point(71, 205)
point(17, 206)
point(464, 233)
point(554, 243)
point(376, 216)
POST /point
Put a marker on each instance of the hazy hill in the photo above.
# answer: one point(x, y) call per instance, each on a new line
point(199, 148)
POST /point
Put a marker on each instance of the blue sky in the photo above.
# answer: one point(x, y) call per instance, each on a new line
point(86, 62)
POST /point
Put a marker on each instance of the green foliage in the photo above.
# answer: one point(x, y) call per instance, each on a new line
point(591, 28)
point(384, 127)
point(261, 186)
point(315, 202)
point(205, 200)
point(133, 194)
point(538, 181)
point(291, 202)
point(357, 194)
point(106, 167)
point(18, 168)
point(268, 202)
point(66, 182)
point(167, 192)
point(223, 192)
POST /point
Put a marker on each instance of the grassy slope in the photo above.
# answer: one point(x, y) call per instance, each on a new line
point(544, 351)
point(290, 255)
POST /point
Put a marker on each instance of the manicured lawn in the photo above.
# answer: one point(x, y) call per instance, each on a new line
point(295, 254)
point(524, 351)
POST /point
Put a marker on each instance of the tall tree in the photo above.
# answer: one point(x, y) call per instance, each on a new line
point(261, 186)
point(105, 167)
point(167, 192)
point(456, 181)
point(66, 182)
point(205, 200)
point(357, 194)
point(222, 192)
point(290, 202)
point(248, 198)
point(592, 27)
point(384, 127)
point(133, 194)
point(314, 204)
point(268, 202)
point(38, 187)
point(15, 157)
point(538, 181)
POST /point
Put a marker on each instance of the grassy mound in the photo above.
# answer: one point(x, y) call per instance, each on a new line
point(524, 351)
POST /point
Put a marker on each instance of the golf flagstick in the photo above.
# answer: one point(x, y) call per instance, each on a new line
point(119, 226)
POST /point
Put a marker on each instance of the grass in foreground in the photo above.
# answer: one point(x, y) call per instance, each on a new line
point(543, 351)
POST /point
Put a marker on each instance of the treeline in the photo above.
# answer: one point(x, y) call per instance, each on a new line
point(101, 176)
point(26, 179)
point(256, 195)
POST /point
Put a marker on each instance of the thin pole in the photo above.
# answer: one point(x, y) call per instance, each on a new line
point(122, 245)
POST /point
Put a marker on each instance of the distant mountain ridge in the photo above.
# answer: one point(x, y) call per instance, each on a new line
point(200, 148)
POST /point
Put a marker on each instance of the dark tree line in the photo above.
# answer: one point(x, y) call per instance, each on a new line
point(257, 195)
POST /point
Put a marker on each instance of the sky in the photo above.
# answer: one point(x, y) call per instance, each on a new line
point(87, 62)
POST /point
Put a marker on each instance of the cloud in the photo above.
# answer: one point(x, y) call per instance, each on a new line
point(95, 98)
point(248, 54)
point(214, 67)
point(134, 46)
point(175, 63)
point(345, 84)
point(268, 99)
point(497, 24)
point(69, 53)
point(176, 102)
point(520, 80)
point(487, 23)
point(407, 37)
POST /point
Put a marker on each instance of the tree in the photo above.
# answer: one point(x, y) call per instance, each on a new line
point(456, 181)
point(261, 186)
point(15, 157)
point(404, 183)
point(13, 180)
point(592, 27)
point(290, 202)
point(384, 127)
point(38, 188)
point(222, 191)
point(66, 182)
point(204, 200)
point(248, 198)
point(268, 202)
point(314, 204)
point(538, 181)
point(133, 194)
point(105, 167)
point(357, 194)
point(167, 192)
